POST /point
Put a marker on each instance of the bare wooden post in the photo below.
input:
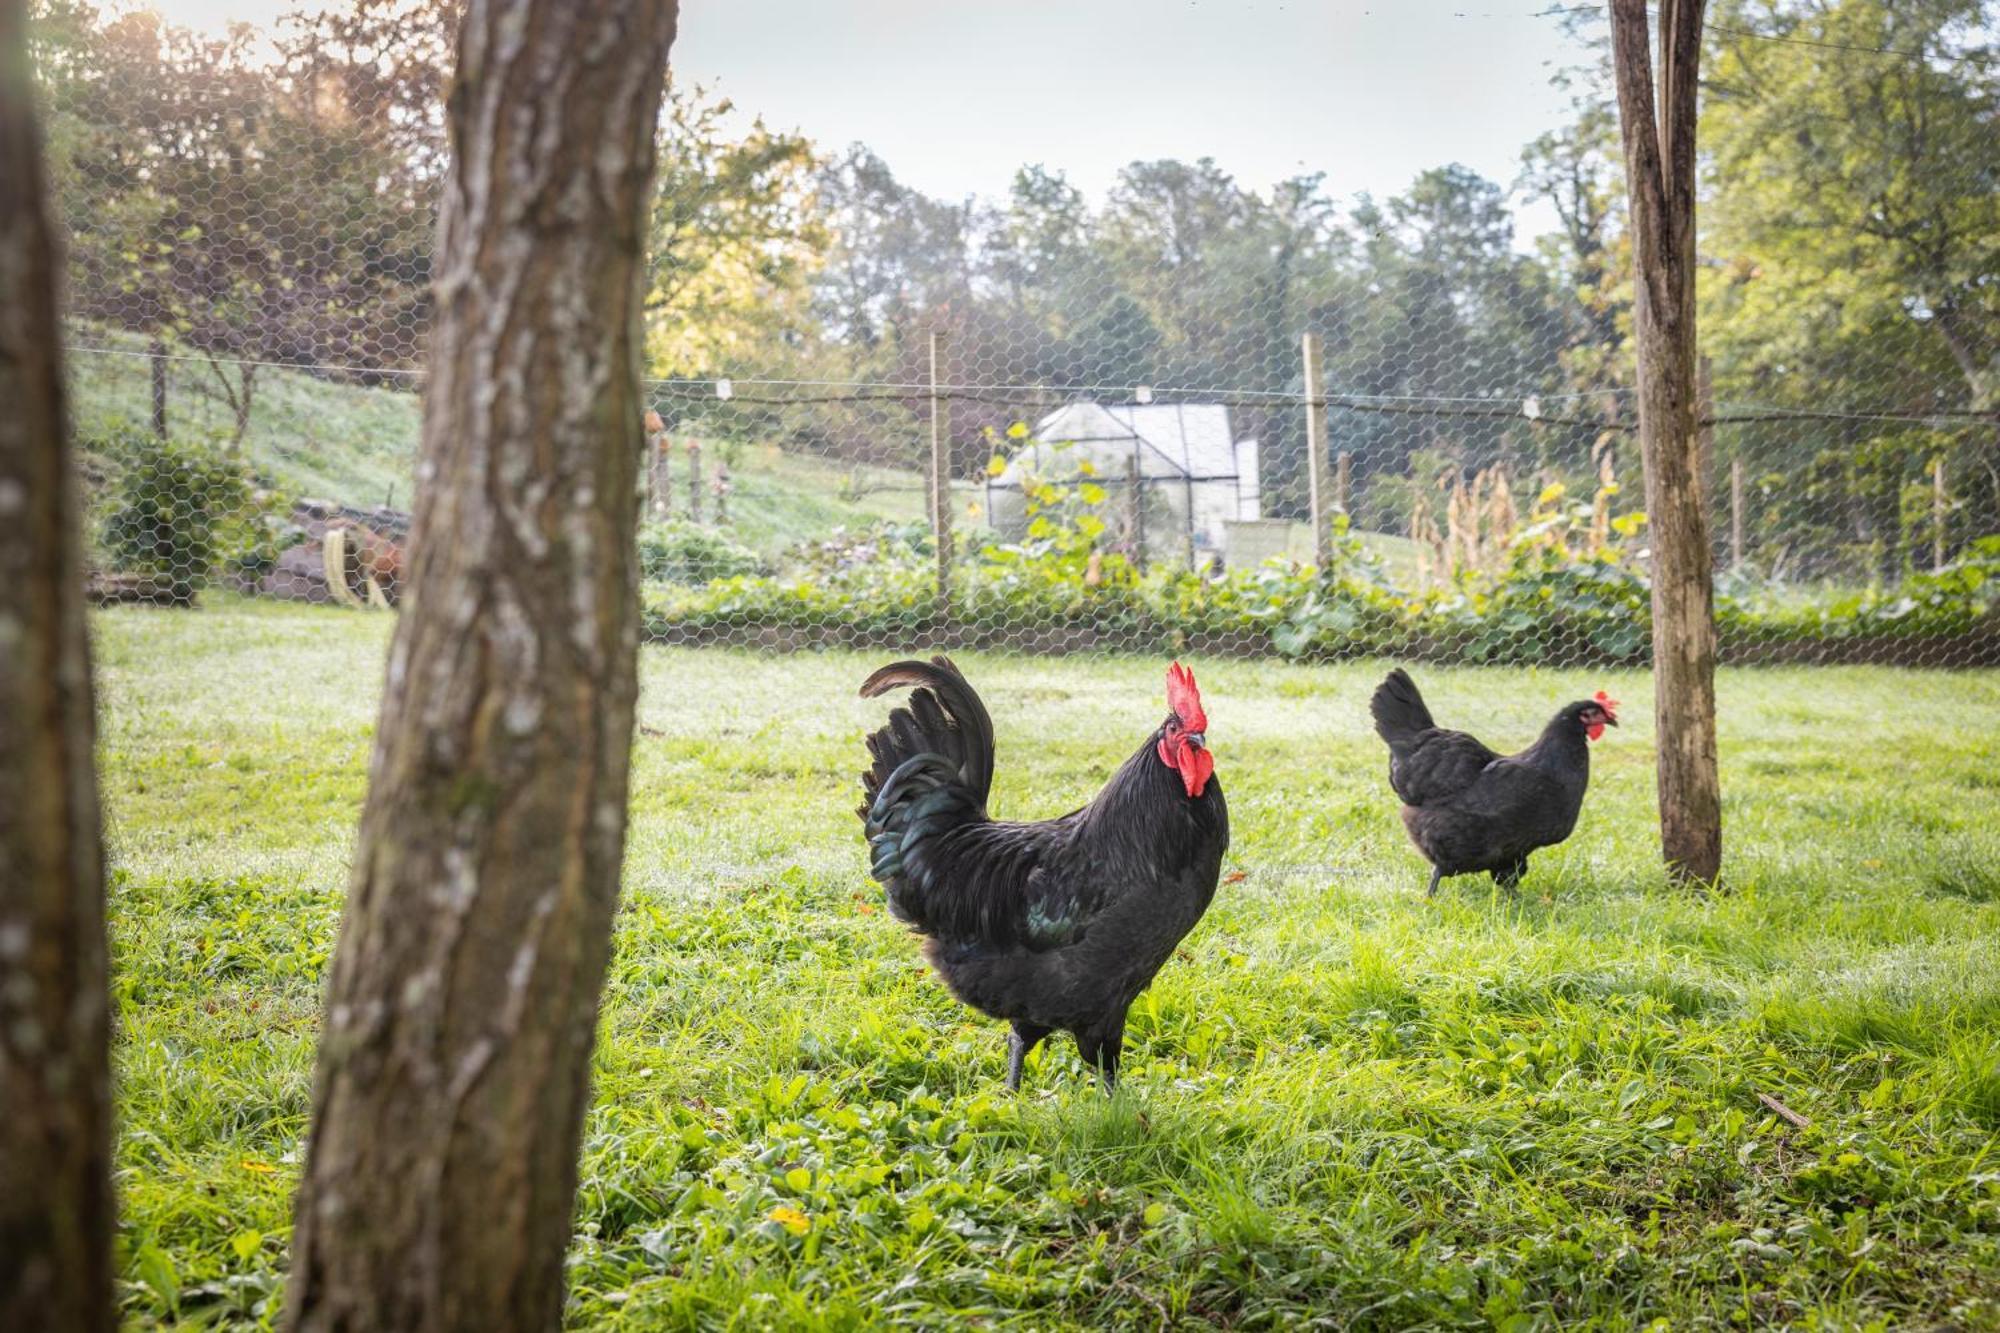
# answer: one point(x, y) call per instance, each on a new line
point(1187, 534)
point(1343, 476)
point(659, 476)
point(156, 362)
point(56, 1223)
point(1940, 507)
point(940, 474)
point(693, 448)
point(1736, 515)
point(1135, 508)
point(1660, 183)
point(1318, 488)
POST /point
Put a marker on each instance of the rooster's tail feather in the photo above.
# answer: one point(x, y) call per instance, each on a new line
point(1399, 709)
point(933, 769)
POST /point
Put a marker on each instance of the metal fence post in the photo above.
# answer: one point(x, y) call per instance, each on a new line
point(940, 474)
point(1318, 487)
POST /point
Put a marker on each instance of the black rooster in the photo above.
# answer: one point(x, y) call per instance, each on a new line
point(1469, 809)
point(1057, 924)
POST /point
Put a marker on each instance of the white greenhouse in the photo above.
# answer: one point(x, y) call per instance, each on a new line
point(1195, 478)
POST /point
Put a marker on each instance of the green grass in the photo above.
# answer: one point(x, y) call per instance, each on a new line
point(314, 437)
point(777, 498)
point(1344, 1104)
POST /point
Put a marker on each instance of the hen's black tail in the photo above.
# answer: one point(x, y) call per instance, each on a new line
point(933, 769)
point(1399, 709)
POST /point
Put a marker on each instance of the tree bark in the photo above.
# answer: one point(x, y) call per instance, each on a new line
point(55, 1078)
point(1659, 136)
point(454, 1063)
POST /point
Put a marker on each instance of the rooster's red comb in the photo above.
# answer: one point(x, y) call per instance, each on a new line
point(1610, 704)
point(1185, 699)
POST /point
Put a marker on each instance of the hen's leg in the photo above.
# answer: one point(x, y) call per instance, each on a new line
point(1509, 877)
point(1436, 875)
point(1101, 1045)
point(1024, 1038)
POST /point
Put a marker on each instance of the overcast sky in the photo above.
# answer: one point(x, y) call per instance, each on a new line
point(955, 94)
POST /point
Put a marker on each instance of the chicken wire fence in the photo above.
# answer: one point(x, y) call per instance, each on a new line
point(1190, 416)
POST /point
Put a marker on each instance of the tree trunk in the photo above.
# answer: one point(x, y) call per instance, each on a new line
point(55, 1082)
point(454, 1063)
point(1660, 181)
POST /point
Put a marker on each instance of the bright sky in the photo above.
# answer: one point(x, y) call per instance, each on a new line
point(955, 94)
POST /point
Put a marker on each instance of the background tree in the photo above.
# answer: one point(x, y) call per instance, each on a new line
point(454, 1063)
point(247, 208)
point(1855, 228)
point(55, 1096)
point(733, 242)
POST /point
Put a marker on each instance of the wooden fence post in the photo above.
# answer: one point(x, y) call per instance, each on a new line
point(1135, 508)
point(940, 478)
point(156, 361)
point(693, 448)
point(659, 477)
point(1660, 184)
point(1736, 516)
point(1940, 507)
point(1318, 487)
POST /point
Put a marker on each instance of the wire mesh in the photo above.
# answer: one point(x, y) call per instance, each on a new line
point(1051, 423)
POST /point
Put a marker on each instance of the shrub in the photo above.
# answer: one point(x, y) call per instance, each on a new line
point(168, 511)
point(693, 556)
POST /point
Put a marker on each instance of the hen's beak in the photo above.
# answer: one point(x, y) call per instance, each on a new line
point(1612, 720)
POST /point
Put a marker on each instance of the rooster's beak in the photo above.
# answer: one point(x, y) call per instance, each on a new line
point(1196, 739)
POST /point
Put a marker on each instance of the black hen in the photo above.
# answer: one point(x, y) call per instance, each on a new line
point(1469, 809)
point(1051, 925)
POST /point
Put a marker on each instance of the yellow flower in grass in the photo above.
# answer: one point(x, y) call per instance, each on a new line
point(791, 1219)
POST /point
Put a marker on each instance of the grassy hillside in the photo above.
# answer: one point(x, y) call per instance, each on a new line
point(314, 437)
point(1344, 1105)
point(357, 444)
point(311, 436)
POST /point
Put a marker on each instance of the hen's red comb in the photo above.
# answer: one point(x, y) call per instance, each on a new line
point(1185, 699)
point(1610, 704)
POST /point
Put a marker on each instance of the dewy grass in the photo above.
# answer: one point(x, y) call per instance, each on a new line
point(1343, 1104)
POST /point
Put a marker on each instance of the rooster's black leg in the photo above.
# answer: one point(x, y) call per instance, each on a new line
point(1024, 1038)
point(1436, 875)
point(1101, 1046)
point(1509, 877)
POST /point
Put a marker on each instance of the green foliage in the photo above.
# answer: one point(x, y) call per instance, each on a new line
point(1344, 1103)
point(692, 555)
point(171, 510)
point(1571, 588)
point(1066, 532)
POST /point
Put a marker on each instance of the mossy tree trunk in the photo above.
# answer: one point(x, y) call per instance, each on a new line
point(55, 1093)
point(454, 1062)
point(1659, 136)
